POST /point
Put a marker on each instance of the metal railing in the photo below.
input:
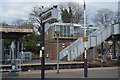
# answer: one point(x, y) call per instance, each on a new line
point(95, 38)
point(15, 65)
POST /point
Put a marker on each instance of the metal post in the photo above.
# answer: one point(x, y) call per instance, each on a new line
point(85, 53)
point(20, 67)
point(18, 47)
point(114, 48)
point(43, 56)
point(43, 21)
point(93, 53)
point(70, 52)
point(57, 54)
point(22, 58)
point(1, 50)
point(9, 53)
point(102, 50)
point(15, 49)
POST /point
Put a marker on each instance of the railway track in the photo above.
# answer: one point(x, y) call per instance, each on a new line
point(53, 66)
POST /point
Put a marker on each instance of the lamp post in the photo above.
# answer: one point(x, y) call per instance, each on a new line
point(57, 33)
point(85, 39)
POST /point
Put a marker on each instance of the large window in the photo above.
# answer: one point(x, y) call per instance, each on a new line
point(66, 30)
point(71, 31)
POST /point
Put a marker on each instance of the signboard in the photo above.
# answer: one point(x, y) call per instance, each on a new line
point(40, 53)
point(85, 39)
point(63, 45)
point(51, 14)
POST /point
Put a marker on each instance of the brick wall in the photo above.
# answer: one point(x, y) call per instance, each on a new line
point(51, 43)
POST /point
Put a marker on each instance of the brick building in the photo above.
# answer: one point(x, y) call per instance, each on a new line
point(69, 33)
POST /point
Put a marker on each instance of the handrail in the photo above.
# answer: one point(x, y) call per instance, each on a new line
point(100, 35)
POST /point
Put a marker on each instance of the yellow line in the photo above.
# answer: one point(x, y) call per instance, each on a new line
point(45, 63)
point(68, 70)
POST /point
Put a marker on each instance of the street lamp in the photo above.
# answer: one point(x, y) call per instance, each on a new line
point(57, 34)
point(84, 40)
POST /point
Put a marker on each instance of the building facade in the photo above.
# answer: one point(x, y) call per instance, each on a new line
point(69, 32)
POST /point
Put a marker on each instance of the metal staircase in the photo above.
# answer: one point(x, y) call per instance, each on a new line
point(96, 38)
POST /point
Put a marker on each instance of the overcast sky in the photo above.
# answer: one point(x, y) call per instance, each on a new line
point(12, 9)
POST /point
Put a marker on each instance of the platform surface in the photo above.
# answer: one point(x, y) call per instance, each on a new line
point(102, 72)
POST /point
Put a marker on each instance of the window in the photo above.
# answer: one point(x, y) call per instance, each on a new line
point(61, 30)
point(68, 31)
point(71, 31)
point(65, 31)
point(56, 28)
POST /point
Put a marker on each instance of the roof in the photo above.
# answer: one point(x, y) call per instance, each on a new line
point(14, 33)
point(68, 24)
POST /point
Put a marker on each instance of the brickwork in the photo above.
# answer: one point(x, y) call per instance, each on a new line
point(51, 43)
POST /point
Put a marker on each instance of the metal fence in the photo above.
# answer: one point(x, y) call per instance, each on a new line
point(15, 65)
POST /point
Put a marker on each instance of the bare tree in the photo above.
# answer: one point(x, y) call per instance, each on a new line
point(18, 22)
point(71, 12)
point(103, 17)
point(35, 12)
point(4, 23)
point(21, 23)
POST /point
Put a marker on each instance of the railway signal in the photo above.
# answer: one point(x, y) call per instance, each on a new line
point(46, 16)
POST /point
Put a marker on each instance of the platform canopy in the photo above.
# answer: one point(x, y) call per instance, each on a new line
point(13, 33)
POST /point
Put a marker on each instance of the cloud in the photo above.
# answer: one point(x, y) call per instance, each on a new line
point(12, 9)
point(59, 0)
point(94, 6)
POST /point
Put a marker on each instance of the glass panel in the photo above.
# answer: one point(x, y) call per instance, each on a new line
point(61, 30)
point(57, 28)
point(71, 31)
point(54, 31)
point(65, 31)
point(68, 31)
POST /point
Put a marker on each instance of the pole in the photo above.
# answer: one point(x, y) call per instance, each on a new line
point(93, 54)
point(102, 50)
point(57, 55)
point(43, 56)
point(85, 53)
point(114, 48)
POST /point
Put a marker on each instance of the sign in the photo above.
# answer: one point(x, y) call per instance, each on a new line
point(40, 53)
point(63, 45)
point(51, 14)
point(85, 39)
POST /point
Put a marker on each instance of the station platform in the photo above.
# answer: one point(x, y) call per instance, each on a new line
point(102, 72)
